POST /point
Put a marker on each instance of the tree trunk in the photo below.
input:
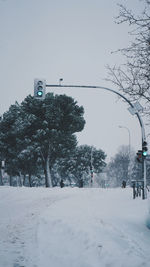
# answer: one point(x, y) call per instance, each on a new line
point(48, 178)
point(1, 180)
point(19, 180)
point(30, 182)
point(10, 180)
point(24, 178)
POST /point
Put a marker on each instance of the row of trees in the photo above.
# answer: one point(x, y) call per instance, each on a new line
point(38, 137)
point(38, 145)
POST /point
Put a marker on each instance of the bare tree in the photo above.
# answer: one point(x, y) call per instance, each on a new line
point(117, 169)
point(133, 77)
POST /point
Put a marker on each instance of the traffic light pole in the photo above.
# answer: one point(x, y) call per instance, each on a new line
point(131, 105)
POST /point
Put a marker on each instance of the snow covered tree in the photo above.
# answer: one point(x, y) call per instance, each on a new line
point(36, 133)
point(77, 166)
point(51, 127)
point(29, 163)
point(9, 146)
point(136, 170)
point(148, 173)
point(117, 168)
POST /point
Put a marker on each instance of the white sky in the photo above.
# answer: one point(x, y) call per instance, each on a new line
point(73, 40)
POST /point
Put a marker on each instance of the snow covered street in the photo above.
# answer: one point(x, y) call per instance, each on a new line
point(73, 227)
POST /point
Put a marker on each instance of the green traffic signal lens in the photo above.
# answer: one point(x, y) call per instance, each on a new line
point(39, 93)
point(144, 153)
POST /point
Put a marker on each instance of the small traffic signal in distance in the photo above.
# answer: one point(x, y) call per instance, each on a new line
point(139, 156)
point(39, 88)
point(144, 148)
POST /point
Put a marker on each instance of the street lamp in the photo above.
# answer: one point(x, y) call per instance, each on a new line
point(129, 136)
point(129, 147)
point(60, 81)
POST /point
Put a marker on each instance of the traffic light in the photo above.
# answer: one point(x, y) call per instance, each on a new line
point(139, 156)
point(144, 148)
point(39, 88)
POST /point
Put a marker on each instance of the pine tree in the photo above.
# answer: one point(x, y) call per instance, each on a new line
point(54, 122)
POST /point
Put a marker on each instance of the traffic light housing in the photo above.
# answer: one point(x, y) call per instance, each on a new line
point(39, 88)
point(139, 156)
point(144, 149)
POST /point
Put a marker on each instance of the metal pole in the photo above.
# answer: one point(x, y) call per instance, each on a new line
point(131, 105)
point(91, 157)
point(129, 137)
point(91, 167)
point(145, 184)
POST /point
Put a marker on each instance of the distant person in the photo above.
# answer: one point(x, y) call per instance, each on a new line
point(81, 183)
point(123, 184)
point(62, 183)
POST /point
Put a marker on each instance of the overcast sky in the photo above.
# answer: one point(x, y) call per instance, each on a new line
point(73, 40)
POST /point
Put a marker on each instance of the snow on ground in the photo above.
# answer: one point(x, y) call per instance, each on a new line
point(73, 227)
